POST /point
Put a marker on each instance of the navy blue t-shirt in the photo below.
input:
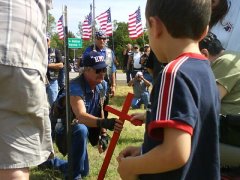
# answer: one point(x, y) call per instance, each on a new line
point(185, 97)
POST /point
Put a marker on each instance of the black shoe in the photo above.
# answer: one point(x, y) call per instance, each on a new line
point(79, 178)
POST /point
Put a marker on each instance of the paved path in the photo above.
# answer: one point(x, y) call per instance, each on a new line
point(121, 77)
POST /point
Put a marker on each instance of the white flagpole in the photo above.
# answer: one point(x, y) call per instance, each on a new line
point(115, 26)
point(93, 26)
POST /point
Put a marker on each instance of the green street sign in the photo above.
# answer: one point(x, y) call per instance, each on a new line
point(74, 43)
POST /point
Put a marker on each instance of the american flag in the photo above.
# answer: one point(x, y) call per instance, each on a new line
point(105, 22)
point(135, 24)
point(87, 27)
point(60, 28)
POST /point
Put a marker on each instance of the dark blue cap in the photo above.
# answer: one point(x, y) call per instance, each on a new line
point(100, 34)
point(94, 60)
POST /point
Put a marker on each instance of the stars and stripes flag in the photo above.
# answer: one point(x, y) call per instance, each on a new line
point(60, 29)
point(105, 22)
point(87, 27)
point(135, 28)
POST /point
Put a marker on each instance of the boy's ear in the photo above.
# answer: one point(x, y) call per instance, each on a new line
point(205, 53)
point(156, 26)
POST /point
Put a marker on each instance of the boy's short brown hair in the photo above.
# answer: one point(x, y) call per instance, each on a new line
point(182, 18)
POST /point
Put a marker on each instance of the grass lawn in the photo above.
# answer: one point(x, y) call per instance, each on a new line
point(131, 135)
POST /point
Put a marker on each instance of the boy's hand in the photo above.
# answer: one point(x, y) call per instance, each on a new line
point(129, 151)
point(136, 117)
point(124, 169)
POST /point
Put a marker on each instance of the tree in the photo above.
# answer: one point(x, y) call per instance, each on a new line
point(59, 44)
point(51, 25)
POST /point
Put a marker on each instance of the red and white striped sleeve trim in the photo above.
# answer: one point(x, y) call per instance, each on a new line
point(165, 96)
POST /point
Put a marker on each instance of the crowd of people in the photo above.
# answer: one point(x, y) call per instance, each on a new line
point(136, 61)
point(192, 111)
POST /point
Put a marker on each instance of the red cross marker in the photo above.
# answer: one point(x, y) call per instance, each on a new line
point(122, 116)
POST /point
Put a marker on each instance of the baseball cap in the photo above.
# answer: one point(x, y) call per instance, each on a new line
point(136, 46)
point(139, 73)
point(211, 43)
point(146, 45)
point(100, 34)
point(94, 60)
point(48, 36)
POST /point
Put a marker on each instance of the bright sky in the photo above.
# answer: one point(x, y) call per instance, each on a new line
point(78, 9)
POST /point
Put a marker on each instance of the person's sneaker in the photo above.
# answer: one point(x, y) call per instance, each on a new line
point(78, 178)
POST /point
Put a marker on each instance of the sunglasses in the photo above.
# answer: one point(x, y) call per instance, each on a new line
point(103, 70)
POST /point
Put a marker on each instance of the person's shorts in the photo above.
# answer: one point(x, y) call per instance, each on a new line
point(25, 130)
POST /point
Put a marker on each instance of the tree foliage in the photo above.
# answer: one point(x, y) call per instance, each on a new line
point(51, 24)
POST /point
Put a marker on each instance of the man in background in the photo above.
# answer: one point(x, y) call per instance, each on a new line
point(140, 90)
point(87, 93)
point(127, 66)
point(61, 76)
point(109, 58)
point(55, 64)
point(143, 61)
point(135, 58)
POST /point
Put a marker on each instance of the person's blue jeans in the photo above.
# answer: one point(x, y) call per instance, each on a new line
point(79, 153)
point(61, 78)
point(129, 75)
point(52, 91)
point(136, 102)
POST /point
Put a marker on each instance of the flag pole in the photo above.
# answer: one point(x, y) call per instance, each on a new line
point(93, 26)
point(115, 26)
point(112, 42)
point(143, 39)
point(68, 109)
point(113, 29)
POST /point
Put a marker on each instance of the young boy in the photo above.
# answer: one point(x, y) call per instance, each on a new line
point(181, 138)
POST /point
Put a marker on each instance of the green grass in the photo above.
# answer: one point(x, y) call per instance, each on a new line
point(131, 135)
